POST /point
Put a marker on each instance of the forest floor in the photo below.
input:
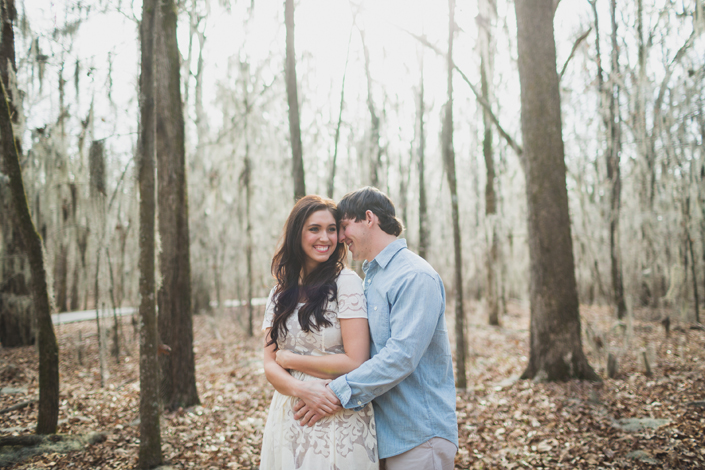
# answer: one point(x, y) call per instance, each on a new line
point(631, 421)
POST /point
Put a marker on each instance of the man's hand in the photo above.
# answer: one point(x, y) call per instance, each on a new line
point(316, 401)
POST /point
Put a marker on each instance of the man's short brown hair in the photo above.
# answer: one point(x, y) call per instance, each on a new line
point(355, 205)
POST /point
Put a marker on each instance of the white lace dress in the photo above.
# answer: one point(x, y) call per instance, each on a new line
point(346, 440)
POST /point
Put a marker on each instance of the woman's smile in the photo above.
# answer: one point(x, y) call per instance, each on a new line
point(318, 239)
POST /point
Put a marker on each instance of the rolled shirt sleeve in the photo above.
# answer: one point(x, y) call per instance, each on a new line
point(413, 319)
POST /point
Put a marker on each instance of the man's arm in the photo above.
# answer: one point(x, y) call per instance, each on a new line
point(413, 320)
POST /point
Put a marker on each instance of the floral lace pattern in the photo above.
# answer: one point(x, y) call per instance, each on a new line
point(346, 440)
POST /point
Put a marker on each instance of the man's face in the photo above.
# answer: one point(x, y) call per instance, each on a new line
point(354, 235)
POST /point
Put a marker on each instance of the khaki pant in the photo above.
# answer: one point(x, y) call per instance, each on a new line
point(434, 454)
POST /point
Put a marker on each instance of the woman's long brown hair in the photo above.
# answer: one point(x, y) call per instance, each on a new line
point(317, 287)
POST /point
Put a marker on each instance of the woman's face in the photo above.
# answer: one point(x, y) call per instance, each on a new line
point(318, 239)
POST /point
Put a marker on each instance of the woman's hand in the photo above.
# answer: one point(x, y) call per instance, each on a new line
point(285, 358)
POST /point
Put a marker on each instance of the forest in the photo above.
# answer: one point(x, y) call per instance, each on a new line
point(546, 157)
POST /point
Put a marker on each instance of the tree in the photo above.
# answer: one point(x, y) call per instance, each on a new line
point(612, 123)
point(246, 183)
point(293, 99)
point(449, 161)
point(555, 342)
point(15, 297)
point(374, 149)
point(614, 176)
point(178, 385)
point(423, 205)
point(48, 415)
point(150, 453)
point(336, 138)
point(487, 18)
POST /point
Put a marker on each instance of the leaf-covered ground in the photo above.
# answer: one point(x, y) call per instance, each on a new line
point(503, 422)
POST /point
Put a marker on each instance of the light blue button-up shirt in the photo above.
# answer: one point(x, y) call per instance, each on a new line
point(410, 372)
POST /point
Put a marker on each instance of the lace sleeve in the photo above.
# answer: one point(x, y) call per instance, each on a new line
point(351, 296)
point(269, 311)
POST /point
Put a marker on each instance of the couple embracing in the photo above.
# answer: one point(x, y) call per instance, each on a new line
point(362, 369)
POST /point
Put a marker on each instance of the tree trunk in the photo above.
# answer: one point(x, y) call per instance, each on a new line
point(487, 15)
point(178, 386)
point(73, 294)
point(150, 452)
point(375, 151)
point(15, 296)
point(423, 206)
point(82, 234)
point(612, 122)
point(614, 151)
point(246, 179)
point(101, 344)
point(701, 189)
point(648, 293)
point(555, 342)
point(688, 249)
point(116, 323)
point(48, 414)
point(449, 160)
point(331, 178)
point(61, 273)
point(293, 99)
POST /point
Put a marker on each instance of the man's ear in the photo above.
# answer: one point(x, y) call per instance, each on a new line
point(371, 218)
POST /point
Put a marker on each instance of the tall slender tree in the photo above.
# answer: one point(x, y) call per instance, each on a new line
point(423, 205)
point(374, 149)
point(336, 138)
point(293, 99)
point(487, 16)
point(150, 452)
point(609, 99)
point(246, 183)
point(449, 161)
point(178, 369)
point(48, 415)
point(555, 342)
point(614, 174)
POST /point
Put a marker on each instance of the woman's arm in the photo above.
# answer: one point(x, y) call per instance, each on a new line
point(285, 384)
point(356, 341)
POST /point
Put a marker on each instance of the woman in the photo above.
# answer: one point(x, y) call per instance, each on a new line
point(317, 307)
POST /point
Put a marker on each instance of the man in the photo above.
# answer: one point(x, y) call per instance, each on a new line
point(410, 374)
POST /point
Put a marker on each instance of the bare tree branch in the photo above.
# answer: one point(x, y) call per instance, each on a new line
point(572, 51)
point(480, 99)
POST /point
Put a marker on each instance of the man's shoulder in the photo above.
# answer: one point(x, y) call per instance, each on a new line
point(415, 261)
point(408, 263)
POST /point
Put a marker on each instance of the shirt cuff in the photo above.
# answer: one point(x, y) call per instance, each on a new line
point(344, 393)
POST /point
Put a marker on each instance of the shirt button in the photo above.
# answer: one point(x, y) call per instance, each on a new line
point(359, 403)
point(375, 308)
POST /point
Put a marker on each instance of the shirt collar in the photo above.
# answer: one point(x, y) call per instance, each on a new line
point(386, 255)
